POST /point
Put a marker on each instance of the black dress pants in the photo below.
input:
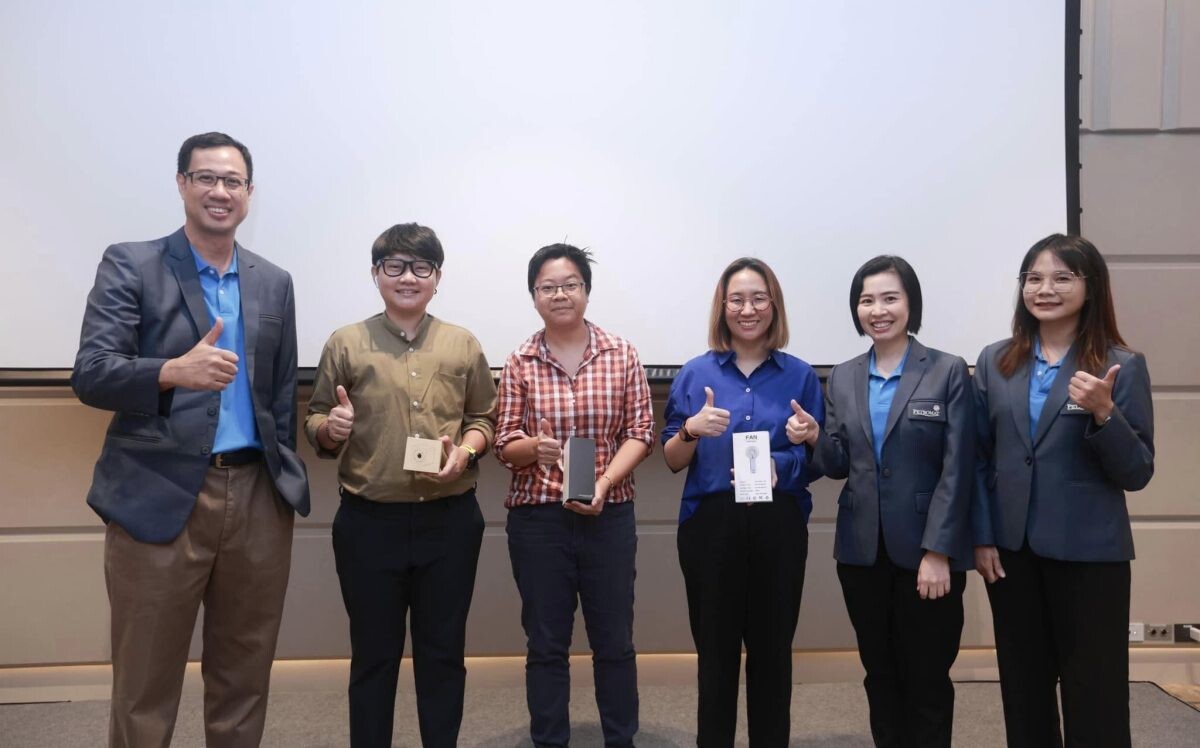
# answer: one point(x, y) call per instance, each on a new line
point(396, 560)
point(1062, 623)
point(907, 646)
point(743, 567)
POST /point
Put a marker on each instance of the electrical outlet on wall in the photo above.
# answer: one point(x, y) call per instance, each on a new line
point(1160, 633)
point(1137, 632)
point(1187, 633)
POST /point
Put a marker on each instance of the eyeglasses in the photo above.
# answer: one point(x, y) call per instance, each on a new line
point(759, 302)
point(1061, 281)
point(394, 268)
point(549, 290)
point(208, 180)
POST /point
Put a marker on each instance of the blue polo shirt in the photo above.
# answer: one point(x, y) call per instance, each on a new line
point(1041, 379)
point(236, 428)
point(881, 391)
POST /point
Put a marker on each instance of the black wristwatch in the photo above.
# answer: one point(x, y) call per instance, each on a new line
point(686, 436)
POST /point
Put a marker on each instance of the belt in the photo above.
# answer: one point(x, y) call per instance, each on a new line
point(246, 456)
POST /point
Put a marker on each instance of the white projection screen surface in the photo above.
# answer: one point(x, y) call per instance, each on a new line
point(669, 137)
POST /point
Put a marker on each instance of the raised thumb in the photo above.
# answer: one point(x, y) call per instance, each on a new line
point(1111, 376)
point(545, 430)
point(708, 397)
point(797, 409)
point(343, 398)
point(215, 333)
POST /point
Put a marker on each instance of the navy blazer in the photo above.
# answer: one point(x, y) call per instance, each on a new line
point(147, 306)
point(1064, 489)
point(921, 488)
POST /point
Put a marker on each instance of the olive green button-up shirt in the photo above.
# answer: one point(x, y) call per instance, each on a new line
point(435, 384)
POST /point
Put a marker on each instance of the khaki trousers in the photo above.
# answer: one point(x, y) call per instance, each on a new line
point(233, 555)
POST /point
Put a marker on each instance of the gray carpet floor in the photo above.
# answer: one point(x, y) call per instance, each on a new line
point(825, 714)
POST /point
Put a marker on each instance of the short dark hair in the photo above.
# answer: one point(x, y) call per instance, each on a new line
point(212, 140)
point(582, 258)
point(908, 279)
point(410, 239)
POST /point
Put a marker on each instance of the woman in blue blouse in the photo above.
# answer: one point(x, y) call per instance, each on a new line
point(1066, 427)
point(900, 427)
point(743, 563)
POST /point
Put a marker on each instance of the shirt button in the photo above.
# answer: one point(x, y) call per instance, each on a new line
point(420, 498)
point(414, 373)
point(747, 418)
point(747, 389)
point(410, 350)
point(416, 404)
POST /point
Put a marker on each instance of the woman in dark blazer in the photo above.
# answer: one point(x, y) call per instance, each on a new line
point(899, 426)
point(1065, 429)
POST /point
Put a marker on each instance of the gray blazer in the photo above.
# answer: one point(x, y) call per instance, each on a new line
point(921, 489)
point(146, 307)
point(1064, 489)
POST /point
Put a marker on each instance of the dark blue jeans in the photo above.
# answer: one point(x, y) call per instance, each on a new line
point(560, 558)
point(398, 561)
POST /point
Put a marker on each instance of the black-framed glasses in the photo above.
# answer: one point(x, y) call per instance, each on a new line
point(395, 268)
point(548, 290)
point(1060, 280)
point(759, 302)
point(208, 180)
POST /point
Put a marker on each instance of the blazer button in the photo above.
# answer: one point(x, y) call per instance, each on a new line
point(204, 450)
point(212, 411)
point(1028, 460)
point(887, 472)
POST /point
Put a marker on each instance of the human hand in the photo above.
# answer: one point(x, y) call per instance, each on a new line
point(204, 367)
point(987, 563)
point(1094, 393)
point(801, 427)
point(341, 417)
point(933, 576)
point(709, 420)
point(549, 451)
point(603, 483)
point(456, 461)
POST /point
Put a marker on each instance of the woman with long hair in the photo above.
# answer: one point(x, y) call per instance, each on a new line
point(1065, 428)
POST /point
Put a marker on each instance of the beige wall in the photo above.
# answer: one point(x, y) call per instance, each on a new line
point(1141, 198)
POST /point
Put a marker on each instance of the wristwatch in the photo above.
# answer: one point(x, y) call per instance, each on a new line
point(686, 436)
point(472, 455)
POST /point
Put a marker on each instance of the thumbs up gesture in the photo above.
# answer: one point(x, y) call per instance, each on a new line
point(549, 451)
point(204, 367)
point(709, 420)
point(802, 428)
point(341, 417)
point(1094, 393)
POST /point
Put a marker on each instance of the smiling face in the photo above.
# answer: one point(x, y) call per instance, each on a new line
point(405, 296)
point(883, 307)
point(748, 326)
point(1059, 295)
point(561, 310)
point(214, 212)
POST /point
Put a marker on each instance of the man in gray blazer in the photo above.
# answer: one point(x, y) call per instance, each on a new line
point(191, 341)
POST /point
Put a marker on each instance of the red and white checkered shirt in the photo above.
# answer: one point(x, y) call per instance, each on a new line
point(608, 400)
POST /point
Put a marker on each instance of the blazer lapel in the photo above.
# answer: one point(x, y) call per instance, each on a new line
point(1057, 397)
point(1018, 397)
point(914, 370)
point(248, 289)
point(183, 265)
point(860, 397)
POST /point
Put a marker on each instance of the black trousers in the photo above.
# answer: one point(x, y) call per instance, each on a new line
point(396, 560)
point(1062, 623)
point(743, 567)
point(907, 646)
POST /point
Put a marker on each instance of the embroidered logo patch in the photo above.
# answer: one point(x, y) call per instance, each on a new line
point(927, 410)
point(1074, 409)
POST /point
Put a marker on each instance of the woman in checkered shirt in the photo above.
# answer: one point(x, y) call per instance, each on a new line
point(573, 379)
